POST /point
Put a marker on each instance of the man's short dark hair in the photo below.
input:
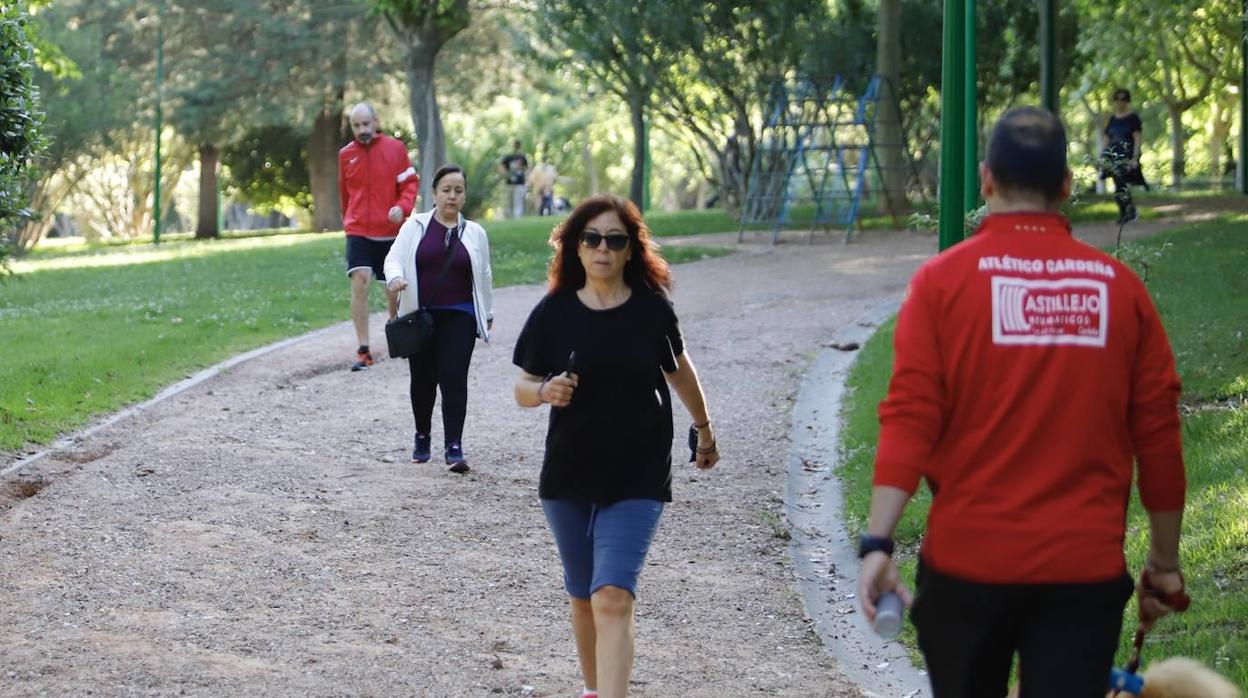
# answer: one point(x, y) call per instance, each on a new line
point(1027, 152)
point(1122, 93)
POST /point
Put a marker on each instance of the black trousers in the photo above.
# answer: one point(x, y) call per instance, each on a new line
point(1124, 176)
point(1065, 635)
point(1122, 195)
point(443, 364)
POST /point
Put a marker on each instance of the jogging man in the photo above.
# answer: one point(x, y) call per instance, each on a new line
point(377, 185)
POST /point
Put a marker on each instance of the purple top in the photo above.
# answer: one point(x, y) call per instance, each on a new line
point(456, 288)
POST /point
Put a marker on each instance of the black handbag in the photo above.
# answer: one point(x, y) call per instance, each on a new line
point(406, 334)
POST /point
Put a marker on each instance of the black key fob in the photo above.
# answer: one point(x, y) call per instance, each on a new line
point(693, 443)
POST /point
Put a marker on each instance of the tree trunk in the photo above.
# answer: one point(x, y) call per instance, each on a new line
point(1177, 165)
point(888, 135)
point(426, 117)
point(323, 145)
point(591, 171)
point(206, 227)
point(637, 112)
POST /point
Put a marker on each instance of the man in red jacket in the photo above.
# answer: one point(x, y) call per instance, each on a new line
point(1031, 370)
point(377, 185)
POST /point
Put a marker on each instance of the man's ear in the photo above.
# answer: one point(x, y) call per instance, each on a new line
point(987, 185)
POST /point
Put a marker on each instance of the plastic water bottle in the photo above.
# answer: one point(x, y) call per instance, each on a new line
point(888, 610)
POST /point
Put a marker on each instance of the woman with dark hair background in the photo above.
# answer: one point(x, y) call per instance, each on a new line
point(1124, 134)
point(441, 261)
point(601, 348)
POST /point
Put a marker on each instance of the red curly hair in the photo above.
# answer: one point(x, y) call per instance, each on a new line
point(645, 269)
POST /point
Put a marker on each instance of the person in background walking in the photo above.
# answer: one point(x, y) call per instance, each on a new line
point(1124, 134)
point(441, 261)
point(601, 349)
point(1031, 373)
point(377, 187)
point(514, 168)
point(543, 178)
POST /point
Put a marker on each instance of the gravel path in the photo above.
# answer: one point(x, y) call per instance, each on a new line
point(264, 533)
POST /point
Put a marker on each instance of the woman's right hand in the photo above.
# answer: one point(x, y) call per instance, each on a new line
point(558, 390)
point(396, 284)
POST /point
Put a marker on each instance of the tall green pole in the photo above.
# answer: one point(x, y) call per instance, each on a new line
point(952, 124)
point(1243, 103)
point(970, 144)
point(160, 69)
point(1050, 72)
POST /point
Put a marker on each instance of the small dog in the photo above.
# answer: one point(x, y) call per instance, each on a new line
point(1178, 677)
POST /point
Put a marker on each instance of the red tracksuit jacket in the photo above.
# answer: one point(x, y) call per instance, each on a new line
point(371, 179)
point(1030, 370)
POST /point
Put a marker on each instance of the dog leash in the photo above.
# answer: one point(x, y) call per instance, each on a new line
point(1128, 679)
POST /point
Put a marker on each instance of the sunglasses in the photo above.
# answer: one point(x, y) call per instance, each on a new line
point(614, 242)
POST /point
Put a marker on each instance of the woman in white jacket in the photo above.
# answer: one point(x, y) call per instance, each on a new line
point(461, 299)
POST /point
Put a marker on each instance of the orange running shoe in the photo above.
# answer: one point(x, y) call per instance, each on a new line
point(363, 359)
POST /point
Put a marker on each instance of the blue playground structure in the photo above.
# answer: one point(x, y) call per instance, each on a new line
point(818, 142)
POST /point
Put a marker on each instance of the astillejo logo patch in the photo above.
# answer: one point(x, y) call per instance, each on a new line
point(1049, 312)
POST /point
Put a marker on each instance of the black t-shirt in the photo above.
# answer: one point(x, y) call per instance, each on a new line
point(614, 440)
point(515, 164)
point(1119, 130)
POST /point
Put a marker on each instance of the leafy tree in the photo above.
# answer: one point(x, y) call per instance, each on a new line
point(1136, 46)
point(297, 60)
point(311, 52)
point(20, 119)
point(88, 102)
point(728, 58)
point(625, 55)
point(268, 166)
point(423, 28)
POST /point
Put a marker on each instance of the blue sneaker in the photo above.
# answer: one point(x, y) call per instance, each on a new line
point(455, 457)
point(420, 454)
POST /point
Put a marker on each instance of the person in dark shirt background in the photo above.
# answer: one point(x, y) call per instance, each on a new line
point(515, 168)
point(1124, 134)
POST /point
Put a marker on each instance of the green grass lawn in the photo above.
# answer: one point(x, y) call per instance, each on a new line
point(1199, 280)
point(88, 329)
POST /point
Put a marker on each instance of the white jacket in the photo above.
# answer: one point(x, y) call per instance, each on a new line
point(401, 264)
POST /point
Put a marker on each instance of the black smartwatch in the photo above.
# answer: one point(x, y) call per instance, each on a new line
point(868, 544)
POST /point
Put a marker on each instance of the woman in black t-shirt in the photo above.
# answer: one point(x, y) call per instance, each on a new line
point(1124, 133)
point(602, 348)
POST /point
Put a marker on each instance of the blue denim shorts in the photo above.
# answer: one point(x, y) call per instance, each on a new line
point(602, 545)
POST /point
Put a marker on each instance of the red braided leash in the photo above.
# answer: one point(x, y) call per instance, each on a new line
point(1178, 600)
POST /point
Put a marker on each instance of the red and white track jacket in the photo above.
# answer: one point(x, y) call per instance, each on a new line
point(371, 179)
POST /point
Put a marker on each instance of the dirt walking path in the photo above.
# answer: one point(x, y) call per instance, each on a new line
point(264, 533)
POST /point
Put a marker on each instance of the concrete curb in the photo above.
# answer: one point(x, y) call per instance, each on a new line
point(824, 556)
point(169, 392)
